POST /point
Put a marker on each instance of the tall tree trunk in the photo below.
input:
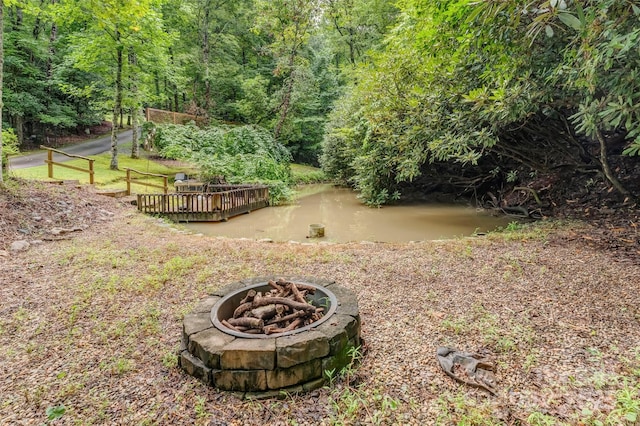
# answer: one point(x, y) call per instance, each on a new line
point(604, 161)
point(17, 22)
point(135, 148)
point(352, 47)
point(18, 124)
point(1, 73)
point(205, 57)
point(167, 98)
point(52, 38)
point(286, 97)
point(117, 106)
point(174, 86)
point(133, 62)
point(284, 107)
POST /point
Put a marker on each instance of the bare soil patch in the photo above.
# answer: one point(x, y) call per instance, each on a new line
point(31, 210)
point(92, 322)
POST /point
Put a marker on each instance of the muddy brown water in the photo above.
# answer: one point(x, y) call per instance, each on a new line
point(346, 219)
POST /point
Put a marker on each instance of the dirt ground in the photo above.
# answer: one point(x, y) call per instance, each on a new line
point(91, 316)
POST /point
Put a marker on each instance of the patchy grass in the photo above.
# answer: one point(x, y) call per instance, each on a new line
point(90, 327)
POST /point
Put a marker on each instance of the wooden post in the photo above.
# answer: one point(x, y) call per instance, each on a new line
point(91, 172)
point(166, 184)
point(128, 181)
point(50, 163)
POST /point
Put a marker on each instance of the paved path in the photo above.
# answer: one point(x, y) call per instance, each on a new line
point(90, 147)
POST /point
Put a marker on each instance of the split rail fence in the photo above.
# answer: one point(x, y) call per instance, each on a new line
point(51, 163)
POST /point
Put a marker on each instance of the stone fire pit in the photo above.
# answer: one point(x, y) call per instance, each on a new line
point(264, 365)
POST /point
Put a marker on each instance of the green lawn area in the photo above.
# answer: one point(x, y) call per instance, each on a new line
point(105, 178)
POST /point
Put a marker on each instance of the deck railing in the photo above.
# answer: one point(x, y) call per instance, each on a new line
point(203, 187)
point(211, 206)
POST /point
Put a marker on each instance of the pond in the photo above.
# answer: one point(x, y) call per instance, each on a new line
point(346, 219)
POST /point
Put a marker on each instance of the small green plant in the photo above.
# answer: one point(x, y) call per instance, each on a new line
point(595, 353)
point(530, 361)
point(170, 359)
point(200, 407)
point(122, 365)
point(457, 325)
point(627, 409)
point(386, 405)
point(324, 302)
point(348, 400)
point(600, 380)
point(539, 419)
point(459, 409)
point(589, 183)
point(55, 412)
point(513, 226)
point(505, 344)
point(331, 375)
point(117, 366)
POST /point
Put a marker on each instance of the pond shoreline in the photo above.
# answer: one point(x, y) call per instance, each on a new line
point(346, 219)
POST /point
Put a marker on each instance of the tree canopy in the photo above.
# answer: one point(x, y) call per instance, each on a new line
point(465, 92)
point(455, 95)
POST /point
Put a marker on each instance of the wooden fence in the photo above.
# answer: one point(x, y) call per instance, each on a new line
point(161, 116)
point(51, 163)
point(209, 206)
point(132, 181)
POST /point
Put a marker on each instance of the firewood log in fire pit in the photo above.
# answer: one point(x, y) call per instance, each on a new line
point(283, 308)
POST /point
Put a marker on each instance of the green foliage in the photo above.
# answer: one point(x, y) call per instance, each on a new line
point(353, 27)
point(9, 145)
point(301, 174)
point(471, 86)
point(185, 141)
point(36, 75)
point(241, 154)
point(253, 107)
point(539, 419)
point(404, 112)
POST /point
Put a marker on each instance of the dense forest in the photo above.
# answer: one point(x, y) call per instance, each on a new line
point(391, 97)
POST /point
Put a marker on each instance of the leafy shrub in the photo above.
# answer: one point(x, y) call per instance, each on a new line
point(301, 174)
point(9, 145)
point(470, 86)
point(242, 154)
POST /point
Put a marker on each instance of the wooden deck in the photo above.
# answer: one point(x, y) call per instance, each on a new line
point(213, 203)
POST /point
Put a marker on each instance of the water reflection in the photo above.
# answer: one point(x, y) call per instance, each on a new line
point(346, 219)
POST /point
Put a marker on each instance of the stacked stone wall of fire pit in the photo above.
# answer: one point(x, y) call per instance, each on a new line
point(264, 367)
